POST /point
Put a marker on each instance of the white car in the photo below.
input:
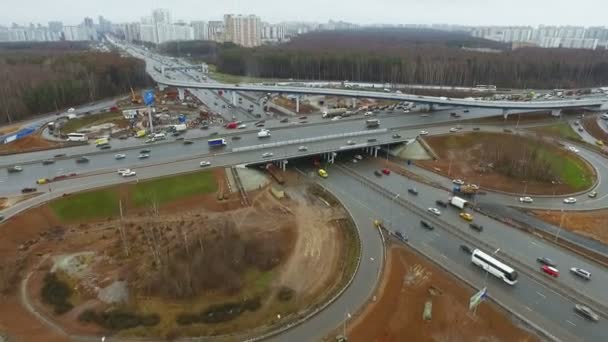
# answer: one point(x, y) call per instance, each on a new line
point(143, 156)
point(453, 129)
point(122, 171)
point(581, 273)
point(350, 142)
point(120, 156)
point(205, 163)
point(458, 181)
point(241, 126)
point(129, 173)
point(368, 114)
point(526, 199)
point(267, 154)
point(336, 118)
point(570, 200)
point(572, 149)
point(424, 133)
point(604, 116)
point(302, 148)
point(435, 211)
point(358, 156)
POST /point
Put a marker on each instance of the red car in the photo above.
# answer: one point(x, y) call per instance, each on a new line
point(231, 125)
point(550, 270)
point(386, 171)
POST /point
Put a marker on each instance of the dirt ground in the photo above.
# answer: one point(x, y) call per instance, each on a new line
point(592, 127)
point(34, 238)
point(406, 286)
point(588, 223)
point(291, 105)
point(462, 162)
point(33, 142)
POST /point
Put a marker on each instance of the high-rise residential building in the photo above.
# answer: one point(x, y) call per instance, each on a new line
point(55, 26)
point(132, 32)
point(201, 30)
point(104, 25)
point(243, 30)
point(215, 31)
point(161, 16)
point(273, 33)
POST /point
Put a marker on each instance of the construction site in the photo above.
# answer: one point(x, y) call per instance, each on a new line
point(232, 261)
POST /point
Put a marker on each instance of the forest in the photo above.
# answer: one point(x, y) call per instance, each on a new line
point(405, 56)
point(45, 77)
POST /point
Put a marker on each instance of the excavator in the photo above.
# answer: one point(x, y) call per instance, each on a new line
point(135, 98)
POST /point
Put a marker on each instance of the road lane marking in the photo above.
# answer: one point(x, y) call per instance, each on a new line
point(534, 243)
point(443, 255)
point(570, 322)
point(540, 294)
point(436, 234)
point(527, 307)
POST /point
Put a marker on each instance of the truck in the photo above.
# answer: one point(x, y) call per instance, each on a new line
point(220, 142)
point(334, 112)
point(264, 133)
point(458, 202)
point(180, 128)
point(275, 172)
point(371, 123)
point(466, 190)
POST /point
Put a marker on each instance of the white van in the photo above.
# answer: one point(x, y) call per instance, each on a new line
point(159, 136)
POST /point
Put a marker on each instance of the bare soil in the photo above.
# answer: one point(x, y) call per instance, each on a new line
point(301, 224)
point(588, 223)
point(406, 285)
point(459, 157)
point(291, 105)
point(592, 127)
point(30, 143)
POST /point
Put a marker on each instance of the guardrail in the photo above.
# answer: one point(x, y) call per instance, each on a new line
point(308, 140)
point(563, 290)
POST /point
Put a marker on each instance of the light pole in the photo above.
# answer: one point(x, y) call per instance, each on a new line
point(347, 316)
point(561, 222)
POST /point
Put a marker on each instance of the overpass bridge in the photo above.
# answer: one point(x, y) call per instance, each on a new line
point(203, 68)
point(595, 103)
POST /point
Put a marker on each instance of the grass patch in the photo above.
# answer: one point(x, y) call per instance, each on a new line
point(171, 188)
point(562, 130)
point(571, 170)
point(74, 125)
point(87, 205)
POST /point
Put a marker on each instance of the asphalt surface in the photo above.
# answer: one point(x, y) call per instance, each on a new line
point(531, 299)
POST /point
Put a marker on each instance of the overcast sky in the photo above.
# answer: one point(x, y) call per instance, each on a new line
point(466, 12)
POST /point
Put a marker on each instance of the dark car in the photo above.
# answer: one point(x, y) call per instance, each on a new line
point(372, 140)
point(378, 173)
point(188, 142)
point(284, 120)
point(213, 134)
point(48, 162)
point(82, 160)
point(546, 261)
point(28, 190)
point(303, 118)
point(401, 236)
point(145, 151)
point(236, 137)
point(507, 130)
point(466, 249)
point(413, 191)
point(396, 136)
point(105, 147)
point(476, 128)
point(476, 226)
point(60, 155)
point(123, 137)
point(426, 225)
point(466, 111)
point(441, 203)
point(179, 139)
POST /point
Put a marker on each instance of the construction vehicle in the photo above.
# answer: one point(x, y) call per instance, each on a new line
point(275, 173)
point(135, 98)
point(466, 190)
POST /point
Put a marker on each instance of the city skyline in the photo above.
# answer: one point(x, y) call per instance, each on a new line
point(467, 12)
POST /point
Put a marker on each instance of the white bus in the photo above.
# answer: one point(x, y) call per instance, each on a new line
point(493, 266)
point(77, 137)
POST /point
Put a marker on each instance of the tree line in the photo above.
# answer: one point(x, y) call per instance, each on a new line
point(408, 57)
point(46, 80)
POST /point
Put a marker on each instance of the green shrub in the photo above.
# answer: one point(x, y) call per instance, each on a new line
point(220, 313)
point(285, 294)
point(56, 293)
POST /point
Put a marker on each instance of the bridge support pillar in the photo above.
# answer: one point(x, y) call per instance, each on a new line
point(297, 103)
point(376, 152)
point(556, 112)
point(431, 107)
point(283, 164)
point(162, 70)
point(354, 103)
point(505, 113)
point(180, 93)
point(234, 97)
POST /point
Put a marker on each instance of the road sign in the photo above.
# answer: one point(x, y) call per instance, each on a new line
point(477, 298)
point(149, 97)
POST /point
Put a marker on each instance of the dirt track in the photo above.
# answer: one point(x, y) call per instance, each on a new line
point(397, 313)
point(588, 223)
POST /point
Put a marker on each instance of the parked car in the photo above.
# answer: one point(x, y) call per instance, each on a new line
point(434, 211)
point(586, 312)
point(552, 271)
point(581, 273)
point(413, 191)
point(545, 261)
point(476, 226)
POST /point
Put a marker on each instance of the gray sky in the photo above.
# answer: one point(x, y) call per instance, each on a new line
point(466, 12)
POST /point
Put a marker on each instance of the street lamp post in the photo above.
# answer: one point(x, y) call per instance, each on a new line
point(347, 316)
point(561, 223)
